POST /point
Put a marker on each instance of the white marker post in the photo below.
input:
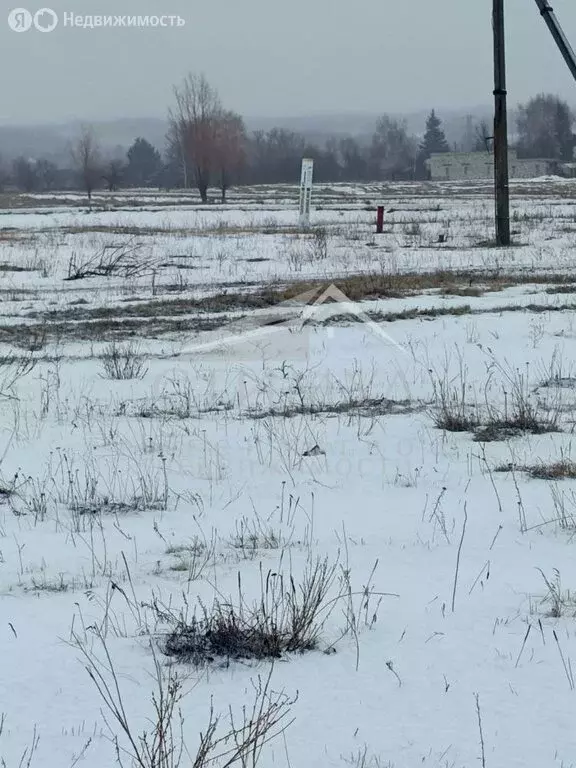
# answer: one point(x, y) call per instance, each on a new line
point(306, 191)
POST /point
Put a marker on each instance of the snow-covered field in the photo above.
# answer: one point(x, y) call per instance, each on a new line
point(194, 451)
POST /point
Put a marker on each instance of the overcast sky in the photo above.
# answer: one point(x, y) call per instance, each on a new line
point(271, 58)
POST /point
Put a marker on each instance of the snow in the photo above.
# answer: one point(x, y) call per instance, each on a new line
point(390, 489)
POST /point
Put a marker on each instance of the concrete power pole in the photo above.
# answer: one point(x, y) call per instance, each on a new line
point(501, 178)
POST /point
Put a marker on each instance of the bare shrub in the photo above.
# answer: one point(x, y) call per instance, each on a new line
point(81, 485)
point(253, 535)
point(556, 374)
point(521, 407)
point(564, 507)
point(452, 409)
point(123, 362)
point(559, 601)
point(287, 618)
point(89, 493)
point(356, 394)
point(12, 369)
point(180, 398)
point(111, 261)
point(522, 410)
point(194, 557)
point(319, 244)
point(240, 743)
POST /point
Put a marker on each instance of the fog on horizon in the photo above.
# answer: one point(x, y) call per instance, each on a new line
point(271, 59)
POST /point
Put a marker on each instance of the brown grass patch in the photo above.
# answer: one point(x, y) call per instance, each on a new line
point(558, 470)
point(562, 289)
point(393, 286)
point(454, 290)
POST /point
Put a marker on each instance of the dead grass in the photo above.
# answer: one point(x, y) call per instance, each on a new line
point(405, 314)
point(557, 470)
point(507, 429)
point(287, 618)
point(35, 337)
point(15, 268)
point(570, 288)
point(129, 231)
point(392, 286)
point(222, 228)
point(155, 319)
point(453, 290)
point(371, 406)
point(457, 409)
point(123, 362)
point(111, 261)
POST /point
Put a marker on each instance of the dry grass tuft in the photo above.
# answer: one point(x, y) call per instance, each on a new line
point(557, 470)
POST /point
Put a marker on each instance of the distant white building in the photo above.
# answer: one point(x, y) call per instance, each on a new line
point(459, 166)
point(568, 170)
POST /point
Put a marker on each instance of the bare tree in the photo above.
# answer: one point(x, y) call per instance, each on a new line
point(86, 156)
point(113, 173)
point(230, 148)
point(176, 171)
point(545, 128)
point(195, 123)
point(276, 156)
point(47, 174)
point(25, 174)
point(353, 160)
point(483, 137)
point(393, 150)
point(4, 175)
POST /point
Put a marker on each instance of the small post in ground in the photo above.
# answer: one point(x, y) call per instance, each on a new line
point(380, 220)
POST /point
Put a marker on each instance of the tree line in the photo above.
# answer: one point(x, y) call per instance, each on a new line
point(208, 145)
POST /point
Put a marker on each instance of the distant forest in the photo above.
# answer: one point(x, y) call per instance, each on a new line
point(204, 145)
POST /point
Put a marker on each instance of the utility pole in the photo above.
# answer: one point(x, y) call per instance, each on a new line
point(501, 178)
